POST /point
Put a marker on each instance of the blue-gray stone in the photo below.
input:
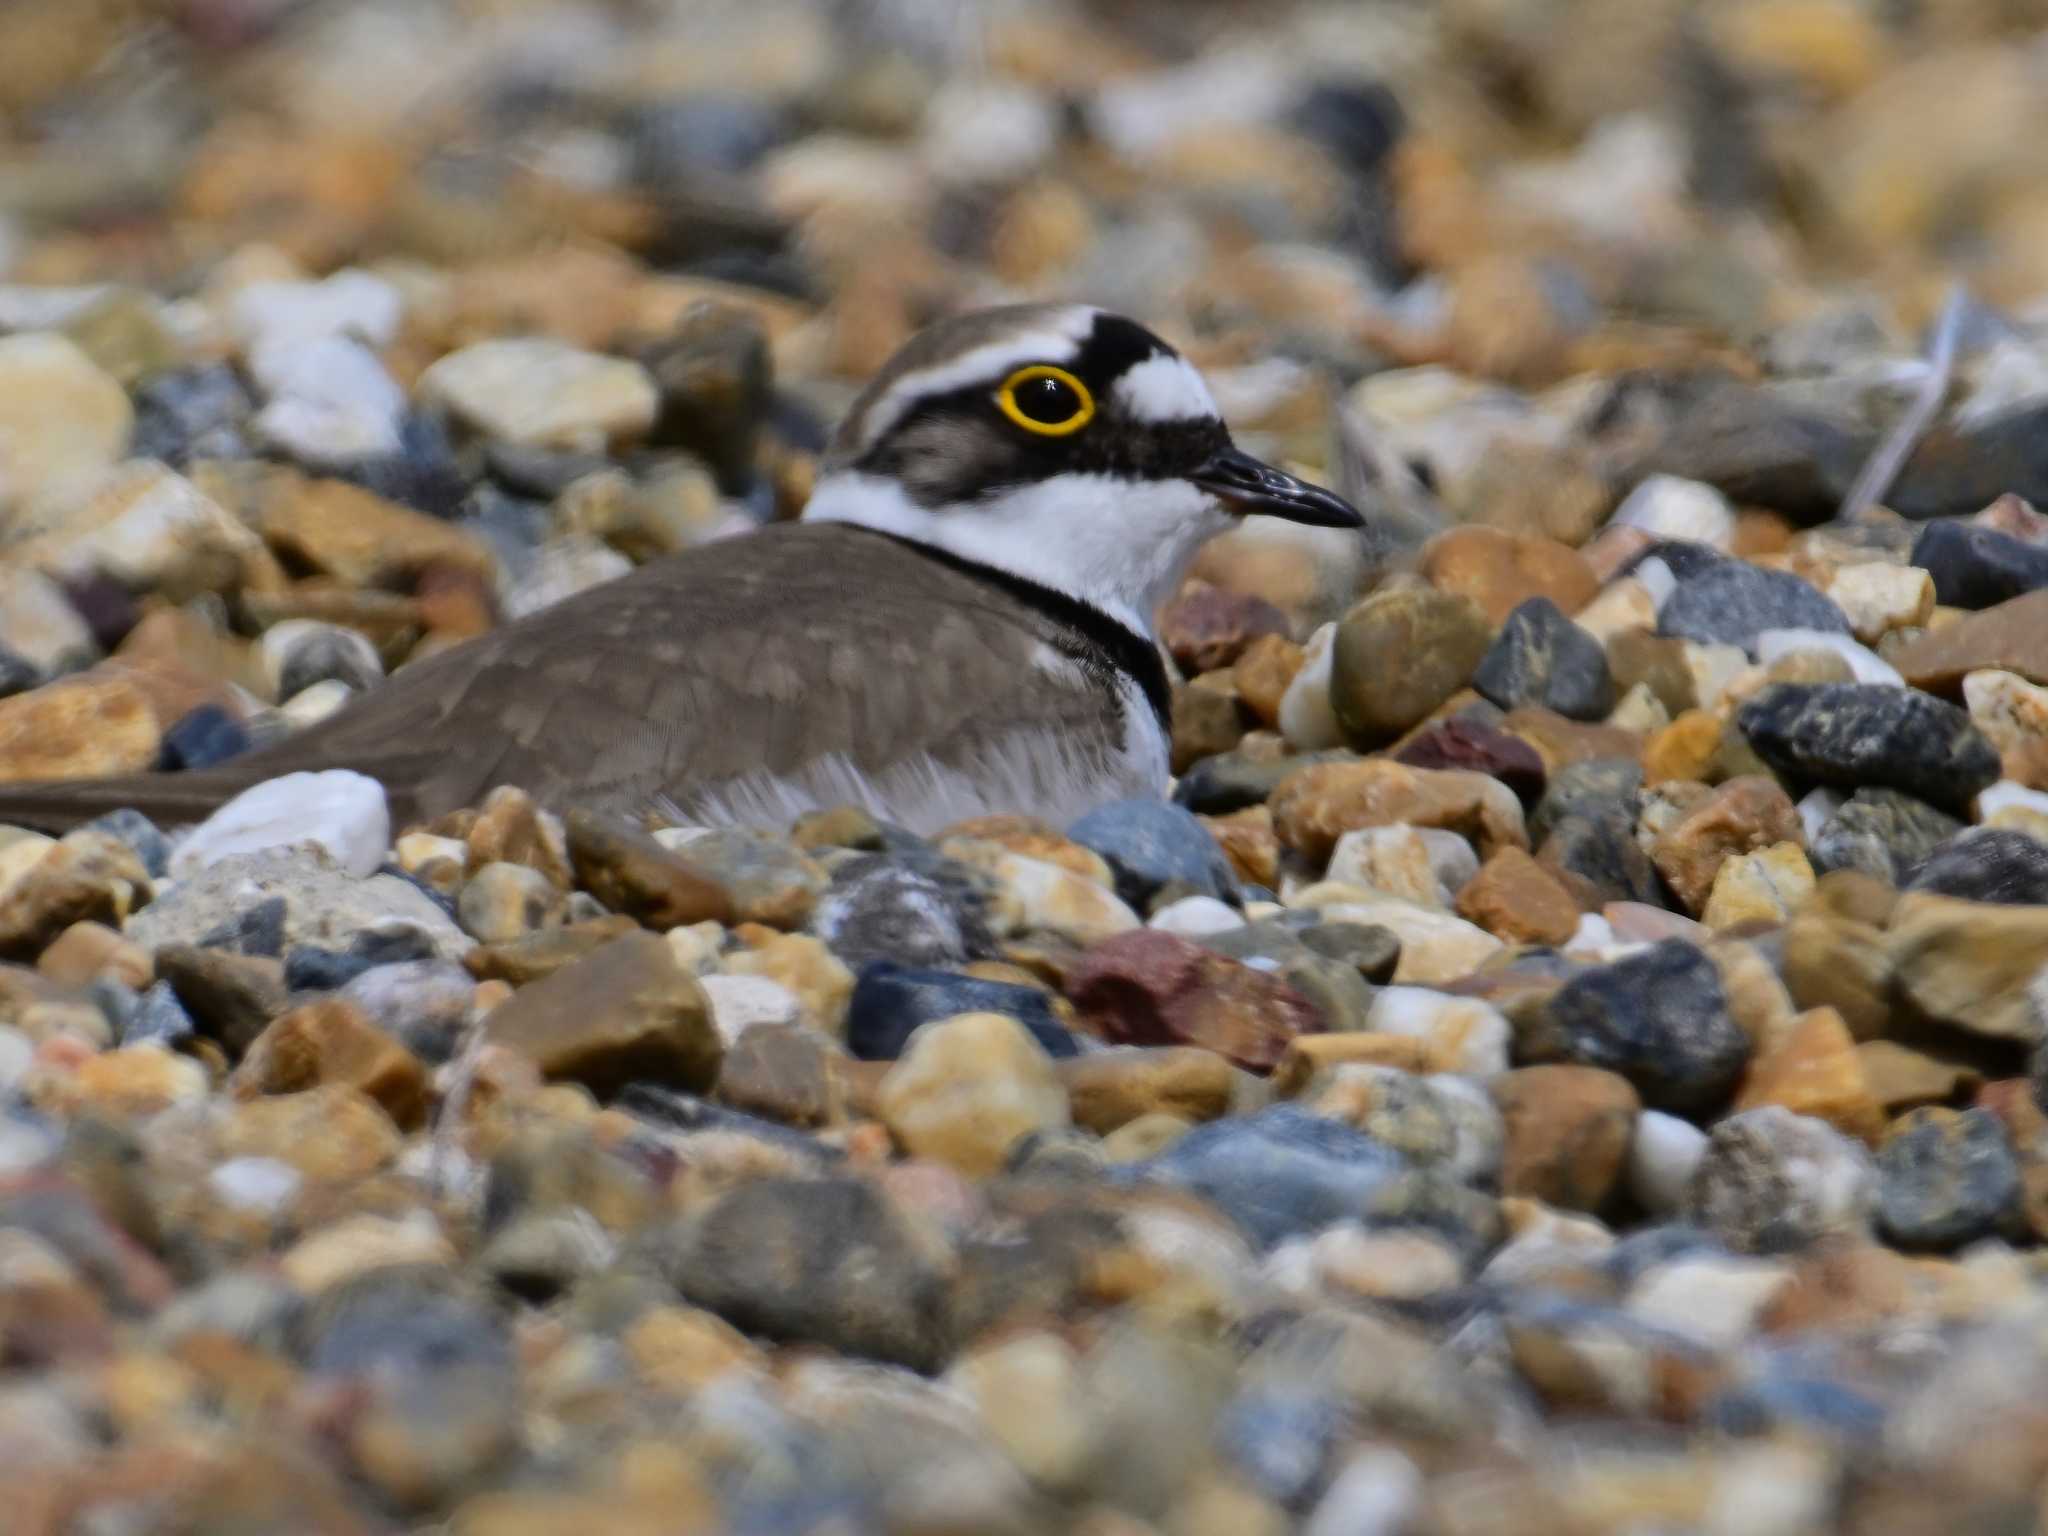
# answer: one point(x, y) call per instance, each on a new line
point(1280, 1440)
point(1946, 1178)
point(202, 737)
point(890, 1001)
point(1541, 659)
point(1731, 602)
point(1152, 846)
point(1987, 864)
point(918, 909)
point(158, 1016)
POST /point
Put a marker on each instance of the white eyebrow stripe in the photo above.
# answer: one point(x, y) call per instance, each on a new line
point(989, 362)
point(1165, 388)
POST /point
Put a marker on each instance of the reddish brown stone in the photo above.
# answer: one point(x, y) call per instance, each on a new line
point(1474, 747)
point(1500, 570)
point(1209, 627)
point(1152, 988)
point(330, 1041)
point(632, 873)
point(1518, 901)
point(1741, 816)
point(1262, 674)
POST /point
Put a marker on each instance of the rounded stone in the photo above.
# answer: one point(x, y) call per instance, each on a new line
point(967, 1088)
point(1399, 654)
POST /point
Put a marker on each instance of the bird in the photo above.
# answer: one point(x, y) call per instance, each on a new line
point(958, 624)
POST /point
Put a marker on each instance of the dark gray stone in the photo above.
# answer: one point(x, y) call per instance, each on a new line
point(182, 414)
point(1946, 1178)
point(328, 653)
point(891, 1001)
point(815, 1261)
point(1732, 602)
point(1541, 658)
point(1153, 846)
point(1600, 847)
point(202, 738)
point(158, 1016)
point(1230, 781)
point(1975, 567)
point(1857, 734)
point(140, 834)
point(1881, 832)
point(1659, 1018)
point(1987, 864)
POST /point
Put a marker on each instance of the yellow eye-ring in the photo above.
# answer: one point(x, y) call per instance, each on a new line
point(1046, 400)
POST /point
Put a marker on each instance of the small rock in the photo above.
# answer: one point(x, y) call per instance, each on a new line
point(817, 1261)
point(1882, 833)
point(300, 653)
point(340, 812)
point(1967, 964)
point(2012, 637)
point(231, 997)
point(784, 1072)
point(1473, 747)
point(1667, 507)
point(504, 902)
point(1208, 628)
point(1518, 901)
point(883, 907)
point(1946, 1178)
point(1463, 1034)
point(1662, 1158)
point(1742, 816)
point(1974, 567)
point(1153, 988)
point(1399, 654)
point(542, 392)
point(1315, 806)
point(820, 982)
point(1152, 846)
point(1500, 570)
point(1427, 868)
point(1812, 1068)
point(625, 1013)
point(86, 727)
point(1774, 1182)
point(1569, 1133)
point(769, 881)
point(1308, 719)
point(1659, 1018)
point(1731, 602)
point(63, 419)
point(1986, 864)
point(1762, 887)
point(331, 1041)
point(1111, 1088)
point(630, 872)
point(741, 1003)
point(1541, 658)
point(967, 1088)
point(1855, 734)
point(891, 1002)
point(1878, 597)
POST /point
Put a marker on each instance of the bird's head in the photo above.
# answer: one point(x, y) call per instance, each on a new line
point(1059, 443)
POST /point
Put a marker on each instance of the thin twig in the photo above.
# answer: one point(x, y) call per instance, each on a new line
point(1885, 462)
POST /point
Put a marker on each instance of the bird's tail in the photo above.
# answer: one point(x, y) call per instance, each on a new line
point(168, 799)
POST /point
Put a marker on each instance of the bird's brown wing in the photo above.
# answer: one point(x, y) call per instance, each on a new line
point(748, 656)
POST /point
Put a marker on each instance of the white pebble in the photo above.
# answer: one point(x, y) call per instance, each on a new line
point(1713, 1298)
point(1866, 664)
point(1193, 916)
point(1471, 1036)
point(17, 1053)
point(350, 303)
point(1669, 507)
point(263, 1184)
point(1593, 933)
point(2008, 794)
point(309, 706)
point(1307, 718)
point(1818, 808)
point(329, 399)
point(1661, 1160)
point(740, 1003)
point(1657, 580)
point(1378, 1493)
point(342, 812)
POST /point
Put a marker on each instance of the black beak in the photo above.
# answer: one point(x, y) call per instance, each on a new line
point(1244, 484)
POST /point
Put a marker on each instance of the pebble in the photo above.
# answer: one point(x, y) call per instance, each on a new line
point(1778, 648)
point(1985, 864)
point(881, 908)
point(967, 1088)
point(1153, 848)
point(1308, 717)
point(1855, 734)
point(1731, 602)
point(339, 812)
point(1316, 805)
point(1463, 1034)
point(1663, 1156)
point(1773, 1182)
point(1153, 988)
point(1976, 567)
point(891, 1002)
point(1398, 655)
point(63, 418)
point(1659, 1018)
point(1667, 507)
point(1541, 658)
point(543, 393)
point(1881, 832)
point(1945, 1178)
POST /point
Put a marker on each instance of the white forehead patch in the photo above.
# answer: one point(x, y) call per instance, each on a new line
point(1165, 388)
point(1056, 341)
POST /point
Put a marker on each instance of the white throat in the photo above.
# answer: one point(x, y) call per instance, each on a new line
point(1118, 545)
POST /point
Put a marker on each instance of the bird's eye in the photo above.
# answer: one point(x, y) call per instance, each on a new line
point(1046, 400)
